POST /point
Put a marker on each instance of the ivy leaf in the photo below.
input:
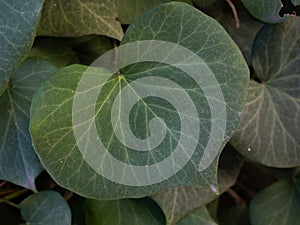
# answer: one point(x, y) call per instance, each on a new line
point(123, 211)
point(266, 10)
point(78, 18)
point(18, 25)
point(269, 129)
point(18, 161)
point(45, 208)
point(199, 217)
point(180, 201)
point(53, 50)
point(277, 204)
point(51, 113)
point(129, 10)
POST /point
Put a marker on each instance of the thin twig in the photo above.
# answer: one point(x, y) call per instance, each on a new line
point(235, 14)
point(8, 191)
point(9, 203)
point(3, 183)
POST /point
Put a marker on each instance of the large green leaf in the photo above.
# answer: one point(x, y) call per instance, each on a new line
point(123, 212)
point(269, 129)
point(18, 162)
point(51, 119)
point(277, 204)
point(266, 10)
point(45, 208)
point(70, 18)
point(199, 217)
point(180, 201)
point(18, 24)
point(129, 10)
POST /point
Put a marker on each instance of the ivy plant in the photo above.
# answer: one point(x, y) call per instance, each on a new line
point(153, 112)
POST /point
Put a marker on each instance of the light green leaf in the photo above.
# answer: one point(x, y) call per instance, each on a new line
point(51, 118)
point(277, 204)
point(18, 24)
point(54, 50)
point(18, 162)
point(70, 18)
point(129, 10)
point(45, 208)
point(180, 201)
point(269, 129)
point(199, 217)
point(266, 10)
point(123, 212)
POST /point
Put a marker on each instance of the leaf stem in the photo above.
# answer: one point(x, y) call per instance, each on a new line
point(9, 203)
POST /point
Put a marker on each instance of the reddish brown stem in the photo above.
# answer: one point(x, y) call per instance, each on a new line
point(235, 14)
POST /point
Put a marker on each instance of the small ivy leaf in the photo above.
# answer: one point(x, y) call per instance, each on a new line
point(269, 129)
point(54, 133)
point(180, 201)
point(62, 19)
point(123, 211)
point(270, 11)
point(198, 217)
point(18, 25)
point(277, 204)
point(45, 208)
point(18, 161)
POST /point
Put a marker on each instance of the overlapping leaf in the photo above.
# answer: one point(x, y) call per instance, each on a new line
point(18, 161)
point(54, 50)
point(245, 34)
point(124, 211)
point(67, 18)
point(45, 208)
point(269, 128)
point(277, 204)
point(129, 10)
point(180, 201)
point(266, 10)
point(18, 25)
point(51, 122)
point(199, 217)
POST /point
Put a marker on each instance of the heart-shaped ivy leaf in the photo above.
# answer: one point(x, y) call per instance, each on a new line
point(18, 161)
point(77, 18)
point(267, 10)
point(45, 208)
point(70, 160)
point(18, 25)
point(269, 129)
point(123, 211)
